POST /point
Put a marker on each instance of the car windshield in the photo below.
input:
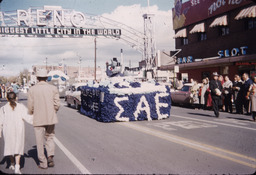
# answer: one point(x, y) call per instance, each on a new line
point(185, 88)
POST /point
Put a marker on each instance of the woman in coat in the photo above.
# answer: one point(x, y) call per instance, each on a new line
point(252, 96)
point(12, 116)
point(227, 93)
point(204, 93)
point(194, 97)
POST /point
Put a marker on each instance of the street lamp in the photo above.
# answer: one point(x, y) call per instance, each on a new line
point(46, 62)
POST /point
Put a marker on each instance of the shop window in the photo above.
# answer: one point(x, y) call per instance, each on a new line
point(184, 41)
point(251, 23)
point(206, 75)
point(224, 70)
point(202, 36)
point(224, 31)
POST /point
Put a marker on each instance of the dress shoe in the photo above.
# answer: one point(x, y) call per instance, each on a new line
point(12, 167)
point(17, 169)
point(50, 161)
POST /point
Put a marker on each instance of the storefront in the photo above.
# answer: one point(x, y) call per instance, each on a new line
point(225, 66)
point(214, 37)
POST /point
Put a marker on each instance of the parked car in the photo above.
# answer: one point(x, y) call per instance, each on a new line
point(62, 91)
point(73, 95)
point(182, 96)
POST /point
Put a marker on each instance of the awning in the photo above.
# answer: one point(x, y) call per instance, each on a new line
point(221, 21)
point(198, 28)
point(181, 34)
point(249, 12)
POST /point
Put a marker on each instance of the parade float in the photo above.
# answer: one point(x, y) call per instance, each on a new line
point(119, 99)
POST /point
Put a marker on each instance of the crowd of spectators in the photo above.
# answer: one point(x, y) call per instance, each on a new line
point(5, 88)
point(237, 96)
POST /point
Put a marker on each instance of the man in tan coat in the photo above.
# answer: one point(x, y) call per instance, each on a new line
point(43, 103)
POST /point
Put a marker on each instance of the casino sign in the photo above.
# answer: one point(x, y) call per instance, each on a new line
point(52, 21)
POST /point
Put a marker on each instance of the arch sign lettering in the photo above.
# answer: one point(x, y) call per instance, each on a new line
point(51, 21)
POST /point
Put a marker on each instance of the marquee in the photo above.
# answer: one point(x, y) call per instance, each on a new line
point(51, 21)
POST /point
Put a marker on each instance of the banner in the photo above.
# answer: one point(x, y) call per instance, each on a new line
point(51, 21)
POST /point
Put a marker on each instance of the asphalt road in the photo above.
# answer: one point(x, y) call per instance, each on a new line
point(189, 142)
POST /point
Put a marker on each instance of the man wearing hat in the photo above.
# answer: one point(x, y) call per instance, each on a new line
point(43, 103)
point(216, 89)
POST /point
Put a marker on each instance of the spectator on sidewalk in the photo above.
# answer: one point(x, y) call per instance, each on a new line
point(227, 93)
point(194, 94)
point(204, 94)
point(252, 95)
point(3, 91)
point(237, 94)
point(15, 88)
point(245, 88)
point(216, 89)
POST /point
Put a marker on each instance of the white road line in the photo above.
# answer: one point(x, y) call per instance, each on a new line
point(73, 159)
point(218, 123)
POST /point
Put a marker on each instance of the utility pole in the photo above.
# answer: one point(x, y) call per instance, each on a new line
point(79, 71)
point(46, 62)
point(79, 68)
point(122, 62)
point(95, 48)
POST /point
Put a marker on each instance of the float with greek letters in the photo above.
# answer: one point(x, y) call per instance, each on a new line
point(126, 101)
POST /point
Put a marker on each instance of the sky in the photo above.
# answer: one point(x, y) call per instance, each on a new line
point(18, 53)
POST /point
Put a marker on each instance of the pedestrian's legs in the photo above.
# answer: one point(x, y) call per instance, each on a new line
point(40, 134)
point(240, 106)
point(17, 159)
point(49, 135)
point(230, 103)
point(236, 105)
point(205, 100)
point(215, 106)
point(241, 102)
point(12, 162)
point(17, 96)
point(246, 106)
point(17, 165)
point(226, 104)
point(254, 115)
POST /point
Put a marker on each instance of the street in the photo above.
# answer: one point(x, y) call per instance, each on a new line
point(189, 142)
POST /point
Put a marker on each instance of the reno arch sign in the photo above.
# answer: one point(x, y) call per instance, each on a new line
point(51, 21)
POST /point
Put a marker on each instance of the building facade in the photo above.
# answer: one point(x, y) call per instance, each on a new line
point(73, 72)
point(214, 36)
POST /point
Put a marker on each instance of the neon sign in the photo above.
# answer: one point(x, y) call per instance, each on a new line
point(233, 52)
point(184, 60)
point(51, 21)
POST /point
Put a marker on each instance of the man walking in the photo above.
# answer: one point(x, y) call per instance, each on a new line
point(43, 103)
point(216, 89)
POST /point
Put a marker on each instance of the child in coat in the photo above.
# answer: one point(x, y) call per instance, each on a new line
point(12, 116)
